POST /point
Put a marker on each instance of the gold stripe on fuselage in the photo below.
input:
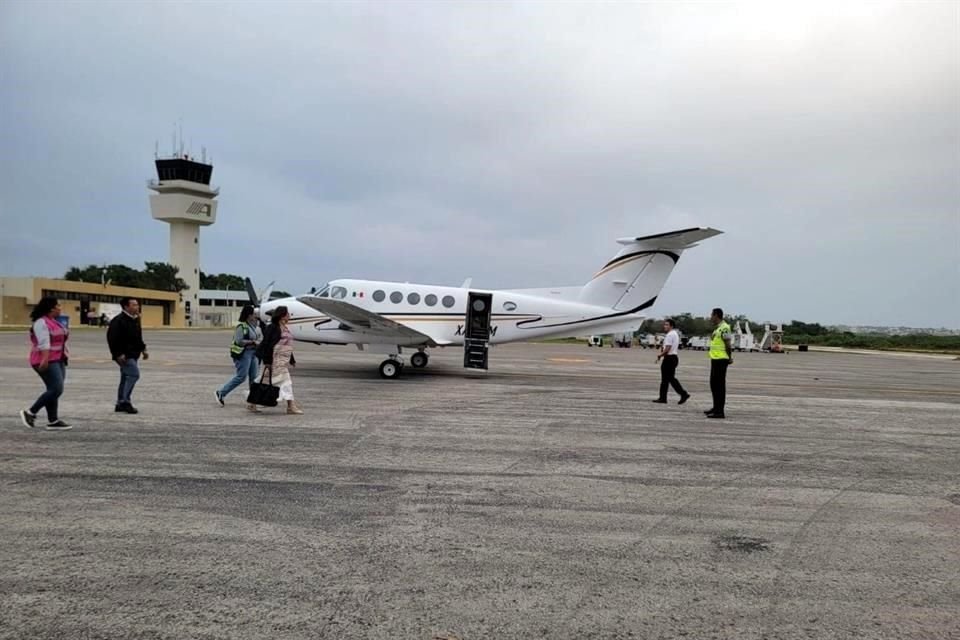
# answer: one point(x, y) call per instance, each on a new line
point(620, 264)
point(399, 317)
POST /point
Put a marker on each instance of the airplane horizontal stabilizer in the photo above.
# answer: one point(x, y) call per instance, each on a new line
point(682, 239)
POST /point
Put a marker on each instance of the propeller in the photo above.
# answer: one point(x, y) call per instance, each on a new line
point(264, 296)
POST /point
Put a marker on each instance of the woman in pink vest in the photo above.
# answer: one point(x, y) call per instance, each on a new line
point(48, 357)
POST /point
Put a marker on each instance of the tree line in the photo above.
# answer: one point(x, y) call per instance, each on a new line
point(159, 276)
point(155, 275)
point(690, 325)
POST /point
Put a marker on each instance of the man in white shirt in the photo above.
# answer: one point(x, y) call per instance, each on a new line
point(668, 369)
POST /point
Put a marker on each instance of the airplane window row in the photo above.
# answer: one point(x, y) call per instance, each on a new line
point(413, 298)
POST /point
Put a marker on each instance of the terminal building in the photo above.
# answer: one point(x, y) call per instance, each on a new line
point(220, 308)
point(87, 302)
point(183, 198)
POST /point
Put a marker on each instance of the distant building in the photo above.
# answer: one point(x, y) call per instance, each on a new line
point(895, 331)
point(220, 308)
point(85, 302)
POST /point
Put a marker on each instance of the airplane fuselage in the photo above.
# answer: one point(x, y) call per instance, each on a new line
point(440, 313)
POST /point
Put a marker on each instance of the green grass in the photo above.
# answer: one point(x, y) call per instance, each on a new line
point(919, 343)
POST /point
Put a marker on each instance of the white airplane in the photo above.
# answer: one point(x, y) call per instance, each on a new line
point(386, 317)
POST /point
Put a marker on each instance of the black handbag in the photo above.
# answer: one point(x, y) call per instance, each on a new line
point(264, 394)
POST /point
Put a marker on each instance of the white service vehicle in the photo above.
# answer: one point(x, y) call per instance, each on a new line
point(744, 340)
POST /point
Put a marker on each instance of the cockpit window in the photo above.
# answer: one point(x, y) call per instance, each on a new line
point(323, 292)
point(338, 293)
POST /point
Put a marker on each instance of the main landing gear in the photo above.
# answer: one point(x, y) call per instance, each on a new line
point(419, 360)
point(392, 367)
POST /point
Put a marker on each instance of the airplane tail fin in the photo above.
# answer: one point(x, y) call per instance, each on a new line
point(632, 280)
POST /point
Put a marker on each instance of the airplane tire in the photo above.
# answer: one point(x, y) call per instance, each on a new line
point(419, 360)
point(390, 369)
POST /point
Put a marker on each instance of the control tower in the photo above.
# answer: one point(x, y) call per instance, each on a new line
point(185, 200)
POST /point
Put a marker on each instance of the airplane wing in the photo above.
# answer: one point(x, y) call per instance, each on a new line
point(370, 326)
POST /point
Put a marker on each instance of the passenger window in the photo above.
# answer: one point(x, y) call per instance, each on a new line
point(396, 297)
point(510, 306)
point(430, 300)
point(413, 298)
point(448, 301)
point(379, 296)
point(338, 293)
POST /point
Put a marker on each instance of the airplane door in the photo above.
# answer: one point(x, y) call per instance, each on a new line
point(476, 340)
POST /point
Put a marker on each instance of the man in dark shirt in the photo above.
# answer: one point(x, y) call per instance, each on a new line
point(125, 339)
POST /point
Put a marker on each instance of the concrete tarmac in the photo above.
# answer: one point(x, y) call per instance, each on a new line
point(546, 498)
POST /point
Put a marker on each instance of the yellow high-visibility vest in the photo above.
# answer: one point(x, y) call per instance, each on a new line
point(236, 350)
point(718, 348)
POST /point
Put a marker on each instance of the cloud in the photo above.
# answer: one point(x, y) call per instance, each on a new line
point(511, 142)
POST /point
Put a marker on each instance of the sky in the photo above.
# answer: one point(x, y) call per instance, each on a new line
point(507, 142)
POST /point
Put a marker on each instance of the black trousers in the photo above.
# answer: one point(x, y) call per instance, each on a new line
point(668, 377)
point(718, 383)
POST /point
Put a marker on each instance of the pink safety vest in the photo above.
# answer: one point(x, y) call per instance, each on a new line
point(58, 343)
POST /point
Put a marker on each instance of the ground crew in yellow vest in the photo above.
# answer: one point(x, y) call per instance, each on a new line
point(721, 357)
point(243, 350)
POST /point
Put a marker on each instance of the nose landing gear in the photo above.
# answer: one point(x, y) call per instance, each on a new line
point(391, 368)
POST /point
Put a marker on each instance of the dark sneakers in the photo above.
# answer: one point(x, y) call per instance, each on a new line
point(684, 398)
point(58, 425)
point(719, 416)
point(28, 419)
point(658, 401)
point(709, 411)
point(219, 397)
point(125, 407)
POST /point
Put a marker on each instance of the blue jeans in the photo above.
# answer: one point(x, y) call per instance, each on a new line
point(53, 377)
point(129, 374)
point(246, 366)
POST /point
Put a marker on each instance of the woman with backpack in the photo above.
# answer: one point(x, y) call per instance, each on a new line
point(243, 350)
point(277, 354)
point(48, 357)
